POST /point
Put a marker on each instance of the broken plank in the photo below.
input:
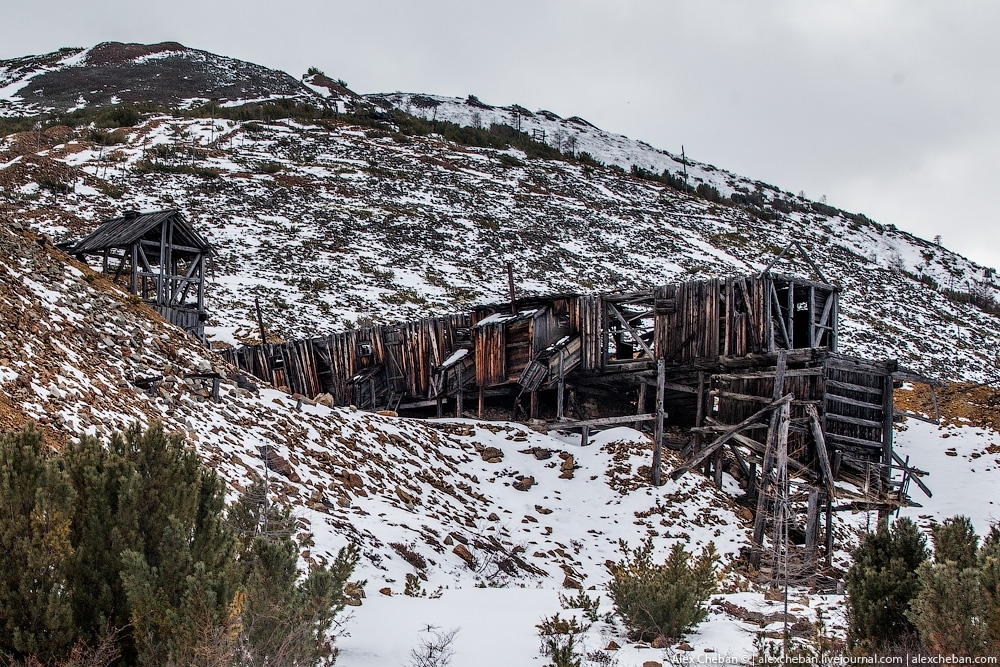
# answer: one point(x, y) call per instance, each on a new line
point(722, 439)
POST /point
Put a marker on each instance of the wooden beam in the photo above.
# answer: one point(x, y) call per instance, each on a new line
point(853, 401)
point(822, 455)
point(824, 319)
point(812, 523)
point(848, 386)
point(806, 257)
point(631, 330)
point(724, 438)
point(603, 421)
point(775, 260)
point(857, 421)
point(912, 415)
point(915, 478)
point(781, 320)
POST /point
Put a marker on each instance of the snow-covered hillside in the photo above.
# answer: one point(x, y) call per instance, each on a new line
point(460, 502)
point(332, 224)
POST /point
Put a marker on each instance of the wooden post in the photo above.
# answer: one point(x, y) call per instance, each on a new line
point(482, 402)
point(812, 523)
point(640, 407)
point(717, 467)
point(510, 286)
point(661, 371)
point(533, 409)
point(561, 390)
point(829, 531)
point(260, 322)
point(887, 415)
point(585, 436)
point(459, 402)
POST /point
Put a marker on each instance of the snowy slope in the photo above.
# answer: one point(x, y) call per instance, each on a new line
point(331, 227)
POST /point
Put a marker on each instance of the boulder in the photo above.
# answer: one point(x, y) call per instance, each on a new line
point(492, 455)
point(463, 552)
point(524, 483)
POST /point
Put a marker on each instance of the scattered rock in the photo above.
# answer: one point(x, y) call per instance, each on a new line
point(325, 399)
point(570, 582)
point(448, 540)
point(492, 455)
point(387, 413)
point(385, 591)
point(684, 646)
point(463, 552)
point(524, 483)
point(652, 663)
point(542, 510)
point(404, 496)
point(612, 646)
point(541, 453)
point(493, 517)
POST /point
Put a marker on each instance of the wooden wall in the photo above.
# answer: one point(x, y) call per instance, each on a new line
point(378, 361)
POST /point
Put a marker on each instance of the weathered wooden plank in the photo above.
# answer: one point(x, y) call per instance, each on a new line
point(849, 386)
point(821, 452)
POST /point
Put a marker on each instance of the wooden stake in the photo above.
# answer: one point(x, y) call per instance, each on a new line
point(260, 322)
point(510, 287)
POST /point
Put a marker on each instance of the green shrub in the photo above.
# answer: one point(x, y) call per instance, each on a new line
point(881, 583)
point(955, 540)
point(957, 610)
point(664, 599)
point(560, 640)
point(127, 548)
point(948, 612)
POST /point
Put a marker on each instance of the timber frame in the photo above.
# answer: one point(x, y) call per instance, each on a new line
point(744, 370)
point(160, 258)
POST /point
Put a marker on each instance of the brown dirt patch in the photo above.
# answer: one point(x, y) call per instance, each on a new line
point(960, 404)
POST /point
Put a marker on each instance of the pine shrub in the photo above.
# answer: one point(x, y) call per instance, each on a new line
point(958, 608)
point(955, 540)
point(127, 551)
point(949, 610)
point(662, 599)
point(882, 582)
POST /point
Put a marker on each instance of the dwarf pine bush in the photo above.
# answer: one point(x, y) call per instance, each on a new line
point(662, 599)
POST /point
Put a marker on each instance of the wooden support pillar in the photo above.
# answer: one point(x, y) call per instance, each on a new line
point(661, 371)
point(482, 402)
point(812, 523)
point(533, 409)
point(561, 390)
point(764, 489)
point(829, 531)
point(585, 436)
point(752, 481)
point(640, 407)
point(440, 405)
point(459, 402)
point(887, 415)
point(717, 468)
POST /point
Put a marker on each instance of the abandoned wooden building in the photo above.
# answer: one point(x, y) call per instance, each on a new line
point(746, 369)
point(159, 257)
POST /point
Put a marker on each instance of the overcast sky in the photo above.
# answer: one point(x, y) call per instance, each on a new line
point(888, 108)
